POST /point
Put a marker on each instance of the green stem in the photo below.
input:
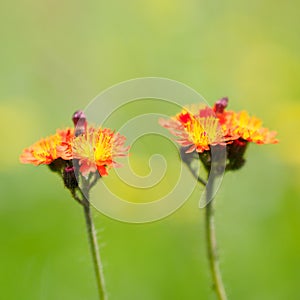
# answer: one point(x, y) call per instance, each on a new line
point(94, 249)
point(211, 242)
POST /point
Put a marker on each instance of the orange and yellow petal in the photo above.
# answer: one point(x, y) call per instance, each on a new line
point(241, 125)
point(42, 152)
point(97, 149)
point(64, 150)
point(48, 149)
point(195, 130)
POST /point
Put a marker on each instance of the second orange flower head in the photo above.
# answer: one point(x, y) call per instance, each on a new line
point(199, 127)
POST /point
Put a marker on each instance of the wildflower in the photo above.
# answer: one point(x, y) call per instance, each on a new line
point(97, 149)
point(202, 128)
point(49, 149)
point(85, 148)
point(241, 126)
point(197, 131)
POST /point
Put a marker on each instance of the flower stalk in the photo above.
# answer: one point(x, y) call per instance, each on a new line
point(83, 200)
point(92, 236)
point(211, 244)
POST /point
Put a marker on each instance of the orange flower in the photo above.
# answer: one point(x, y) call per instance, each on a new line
point(196, 130)
point(96, 149)
point(200, 128)
point(82, 147)
point(49, 149)
point(241, 126)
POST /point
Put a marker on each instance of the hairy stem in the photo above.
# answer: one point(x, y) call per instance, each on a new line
point(94, 249)
point(211, 243)
point(211, 240)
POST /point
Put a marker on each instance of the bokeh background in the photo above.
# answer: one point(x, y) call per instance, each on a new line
point(57, 55)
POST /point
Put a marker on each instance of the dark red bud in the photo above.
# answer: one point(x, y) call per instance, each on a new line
point(69, 178)
point(80, 123)
point(220, 105)
point(235, 154)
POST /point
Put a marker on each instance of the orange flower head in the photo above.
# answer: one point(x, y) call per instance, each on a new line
point(242, 126)
point(48, 149)
point(196, 128)
point(97, 149)
point(200, 128)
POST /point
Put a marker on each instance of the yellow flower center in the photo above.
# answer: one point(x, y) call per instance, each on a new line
point(201, 131)
point(103, 147)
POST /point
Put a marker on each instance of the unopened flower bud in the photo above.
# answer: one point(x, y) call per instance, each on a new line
point(220, 105)
point(80, 123)
point(235, 154)
point(69, 178)
point(57, 165)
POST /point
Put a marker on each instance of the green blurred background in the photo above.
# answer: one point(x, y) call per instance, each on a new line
point(57, 55)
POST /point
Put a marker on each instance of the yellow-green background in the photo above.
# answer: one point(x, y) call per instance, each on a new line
point(57, 55)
